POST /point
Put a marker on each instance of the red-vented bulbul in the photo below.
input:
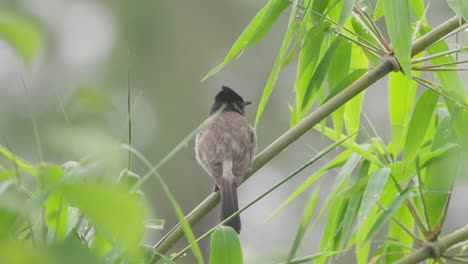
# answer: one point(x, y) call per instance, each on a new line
point(225, 149)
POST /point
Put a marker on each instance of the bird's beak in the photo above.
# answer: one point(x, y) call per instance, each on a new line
point(247, 103)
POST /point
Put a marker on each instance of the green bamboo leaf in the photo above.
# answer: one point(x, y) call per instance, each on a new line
point(460, 7)
point(352, 114)
point(354, 202)
point(346, 11)
point(336, 194)
point(305, 220)
point(418, 10)
point(387, 213)
point(452, 86)
point(372, 193)
point(419, 124)
point(298, 34)
point(428, 158)
point(378, 13)
point(345, 82)
point(319, 75)
point(56, 206)
point(279, 61)
point(119, 215)
point(308, 58)
point(405, 240)
point(436, 190)
point(341, 66)
point(22, 33)
point(397, 16)
point(255, 31)
point(332, 231)
point(402, 91)
point(225, 246)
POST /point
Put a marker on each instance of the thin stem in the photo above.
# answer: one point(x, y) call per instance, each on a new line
point(413, 236)
point(428, 85)
point(457, 259)
point(377, 53)
point(129, 113)
point(380, 38)
point(33, 121)
point(370, 31)
point(437, 69)
point(448, 52)
point(412, 210)
point(445, 64)
point(421, 196)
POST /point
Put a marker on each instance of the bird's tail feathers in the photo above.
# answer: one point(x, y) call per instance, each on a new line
point(229, 202)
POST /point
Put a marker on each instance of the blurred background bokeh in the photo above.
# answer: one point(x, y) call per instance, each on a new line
point(90, 53)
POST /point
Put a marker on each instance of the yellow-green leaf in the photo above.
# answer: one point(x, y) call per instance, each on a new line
point(22, 33)
point(255, 31)
point(402, 92)
point(225, 246)
point(418, 125)
point(397, 16)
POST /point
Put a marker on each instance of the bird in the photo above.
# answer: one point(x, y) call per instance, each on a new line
point(225, 149)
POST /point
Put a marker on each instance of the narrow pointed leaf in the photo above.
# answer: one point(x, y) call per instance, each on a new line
point(341, 66)
point(306, 218)
point(372, 192)
point(402, 92)
point(397, 16)
point(419, 124)
point(378, 12)
point(435, 187)
point(418, 9)
point(279, 61)
point(308, 59)
point(257, 28)
point(319, 74)
point(346, 11)
point(352, 114)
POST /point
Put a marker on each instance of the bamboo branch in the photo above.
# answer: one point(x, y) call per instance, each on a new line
point(436, 249)
point(302, 127)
